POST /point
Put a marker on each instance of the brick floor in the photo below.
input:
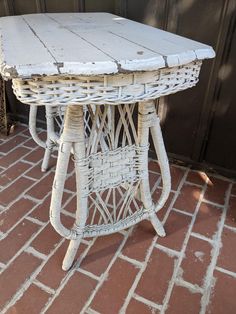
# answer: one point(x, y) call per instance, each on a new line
point(191, 270)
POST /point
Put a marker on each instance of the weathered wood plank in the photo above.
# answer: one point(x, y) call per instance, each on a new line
point(21, 52)
point(89, 44)
point(72, 52)
point(118, 48)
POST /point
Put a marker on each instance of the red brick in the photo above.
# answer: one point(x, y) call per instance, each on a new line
point(197, 177)
point(70, 183)
point(176, 227)
point(162, 212)
point(111, 296)
point(14, 190)
point(153, 165)
point(207, 220)
point(26, 132)
point(231, 213)
point(139, 241)
point(35, 172)
point(41, 189)
point(197, 257)
point(184, 301)
point(136, 307)
point(188, 198)
point(227, 257)
point(13, 172)
point(35, 156)
point(41, 211)
point(223, 296)
point(31, 143)
point(155, 279)
point(52, 274)
point(176, 176)
point(153, 177)
point(10, 245)
point(101, 253)
point(233, 191)
point(16, 275)
point(74, 295)
point(48, 238)
point(17, 210)
point(71, 206)
point(32, 301)
point(13, 156)
point(12, 143)
point(216, 190)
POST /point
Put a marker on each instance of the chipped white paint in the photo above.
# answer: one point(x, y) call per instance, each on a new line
point(88, 44)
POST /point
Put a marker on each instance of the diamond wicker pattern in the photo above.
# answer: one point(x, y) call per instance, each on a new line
point(110, 89)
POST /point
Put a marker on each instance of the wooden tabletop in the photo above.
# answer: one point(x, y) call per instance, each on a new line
point(88, 44)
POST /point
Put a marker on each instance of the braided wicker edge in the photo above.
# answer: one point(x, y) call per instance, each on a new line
point(106, 89)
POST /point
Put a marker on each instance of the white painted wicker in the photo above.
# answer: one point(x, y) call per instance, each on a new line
point(54, 127)
point(112, 180)
point(108, 89)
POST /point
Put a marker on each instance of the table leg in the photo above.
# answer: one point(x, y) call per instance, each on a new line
point(51, 136)
point(32, 126)
point(72, 138)
point(149, 119)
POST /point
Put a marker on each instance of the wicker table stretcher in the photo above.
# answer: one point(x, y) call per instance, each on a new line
point(116, 69)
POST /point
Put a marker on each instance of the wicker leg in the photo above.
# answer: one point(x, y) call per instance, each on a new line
point(165, 173)
point(72, 137)
point(51, 136)
point(148, 119)
point(32, 126)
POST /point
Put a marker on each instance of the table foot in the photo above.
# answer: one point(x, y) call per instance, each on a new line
point(70, 254)
point(157, 225)
point(46, 159)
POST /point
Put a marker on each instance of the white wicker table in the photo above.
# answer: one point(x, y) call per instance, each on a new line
point(119, 67)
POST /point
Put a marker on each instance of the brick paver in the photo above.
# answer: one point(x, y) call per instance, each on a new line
point(191, 270)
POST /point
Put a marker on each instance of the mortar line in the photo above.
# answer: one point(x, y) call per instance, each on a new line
point(213, 203)
point(91, 311)
point(182, 212)
point(226, 271)
point(230, 228)
point(202, 237)
point(88, 274)
point(215, 252)
point(146, 301)
point(188, 285)
point(167, 250)
point(131, 260)
point(43, 286)
point(31, 250)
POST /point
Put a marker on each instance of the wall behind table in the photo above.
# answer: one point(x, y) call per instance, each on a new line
point(198, 124)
